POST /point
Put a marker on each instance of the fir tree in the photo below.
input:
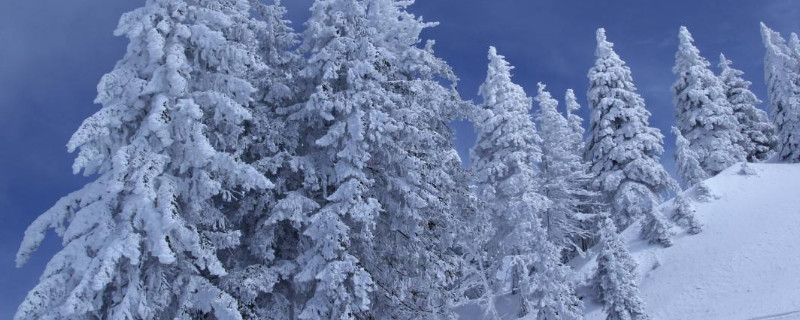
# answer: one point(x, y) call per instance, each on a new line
point(563, 174)
point(262, 268)
point(656, 229)
point(575, 122)
point(782, 77)
point(757, 131)
point(623, 149)
point(377, 157)
point(504, 157)
point(589, 198)
point(704, 115)
point(685, 214)
point(615, 280)
point(145, 238)
point(689, 169)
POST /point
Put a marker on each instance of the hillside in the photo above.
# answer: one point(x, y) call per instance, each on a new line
point(744, 265)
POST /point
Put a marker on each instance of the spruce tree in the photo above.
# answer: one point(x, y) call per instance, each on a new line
point(703, 114)
point(757, 131)
point(615, 279)
point(781, 71)
point(504, 157)
point(656, 229)
point(261, 269)
point(146, 238)
point(689, 169)
point(685, 214)
point(575, 122)
point(589, 199)
point(376, 156)
point(623, 149)
point(563, 173)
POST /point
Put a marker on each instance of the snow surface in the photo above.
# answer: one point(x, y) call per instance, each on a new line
point(744, 265)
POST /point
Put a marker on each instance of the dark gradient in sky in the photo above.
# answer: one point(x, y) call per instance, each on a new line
point(53, 52)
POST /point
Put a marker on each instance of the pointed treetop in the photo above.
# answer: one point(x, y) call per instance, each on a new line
point(766, 33)
point(688, 55)
point(771, 38)
point(498, 76)
point(601, 35)
point(724, 63)
point(604, 48)
point(571, 102)
point(543, 94)
point(684, 35)
point(686, 43)
point(498, 62)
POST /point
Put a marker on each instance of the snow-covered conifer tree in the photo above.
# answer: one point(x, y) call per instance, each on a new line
point(615, 280)
point(377, 158)
point(757, 130)
point(783, 85)
point(563, 173)
point(144, 239)
point(575, 122)
point(589, 198)
point(703, 114)
point(684, 214)
point(261, 269)
point(623, 149)
point(656, 228)
point(504, 157)
point(689, 169)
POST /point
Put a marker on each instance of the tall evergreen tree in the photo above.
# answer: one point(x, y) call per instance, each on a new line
point(704, 115)
point(563, 173)
point(623, 149)
point(261, 269)
point(783, 85)
point(504, 157)
point(590, 201)
point(757, 131)
point(615, 280)
point(575, 122)
point(144, 240)
point(376, 159)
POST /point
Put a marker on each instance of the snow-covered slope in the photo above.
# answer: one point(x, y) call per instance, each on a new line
point(744, 265)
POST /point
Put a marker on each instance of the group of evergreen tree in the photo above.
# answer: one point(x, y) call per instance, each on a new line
point(247, 171)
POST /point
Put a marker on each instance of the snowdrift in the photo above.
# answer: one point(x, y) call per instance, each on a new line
point(744, 265)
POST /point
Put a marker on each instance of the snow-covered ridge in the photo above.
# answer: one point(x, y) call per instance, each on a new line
point(744, 265)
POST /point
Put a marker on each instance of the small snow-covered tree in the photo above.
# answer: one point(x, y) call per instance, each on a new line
point(145, 239)
point(685, 214)
point(656, 228)
point(782, 74)
point(615, 280)
point(703, 114)
point(505, 156)
point(376, 156)
point(623, 149)
point(563, 174)
point(689, 169)
point(757, 131)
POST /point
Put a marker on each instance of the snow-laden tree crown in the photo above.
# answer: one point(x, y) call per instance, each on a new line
point(244, 170)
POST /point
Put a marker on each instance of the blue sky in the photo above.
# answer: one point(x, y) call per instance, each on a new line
point(53, 52)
